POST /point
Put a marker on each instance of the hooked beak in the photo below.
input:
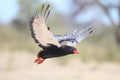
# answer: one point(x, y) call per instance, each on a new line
point(76, 51)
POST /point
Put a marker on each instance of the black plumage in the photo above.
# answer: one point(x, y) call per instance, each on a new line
point(54, 51)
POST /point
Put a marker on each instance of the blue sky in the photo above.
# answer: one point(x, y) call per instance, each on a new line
point(9, 9)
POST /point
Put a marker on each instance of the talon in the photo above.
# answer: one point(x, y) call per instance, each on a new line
point(39, 60)
point(36, 60)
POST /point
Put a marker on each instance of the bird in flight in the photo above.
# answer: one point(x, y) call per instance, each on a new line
point(54, 45)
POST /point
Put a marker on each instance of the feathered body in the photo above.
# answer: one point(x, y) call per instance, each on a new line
point(54, 45)
point(54, 51)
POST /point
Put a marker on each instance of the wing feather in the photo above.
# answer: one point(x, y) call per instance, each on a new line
point(75, 37)
point(41, 35)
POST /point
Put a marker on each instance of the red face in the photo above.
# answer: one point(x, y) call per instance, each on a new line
point(75, 51)
point(71, 49)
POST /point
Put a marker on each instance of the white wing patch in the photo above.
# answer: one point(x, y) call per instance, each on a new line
point(40, 33)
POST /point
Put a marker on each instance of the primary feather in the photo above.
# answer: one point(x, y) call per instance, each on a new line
point(71, 39)
point(42, 36)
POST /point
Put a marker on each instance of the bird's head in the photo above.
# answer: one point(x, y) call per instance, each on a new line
point(70, 49)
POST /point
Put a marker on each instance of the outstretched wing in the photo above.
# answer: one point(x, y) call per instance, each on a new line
point(39, 31)
point(75, 37)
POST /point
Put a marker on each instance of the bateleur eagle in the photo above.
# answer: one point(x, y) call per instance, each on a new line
point(54, 45)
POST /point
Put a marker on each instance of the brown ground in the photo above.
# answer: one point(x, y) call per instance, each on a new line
point(20, 66)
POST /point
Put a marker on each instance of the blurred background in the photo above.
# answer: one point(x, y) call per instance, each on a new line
point(99, 57)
